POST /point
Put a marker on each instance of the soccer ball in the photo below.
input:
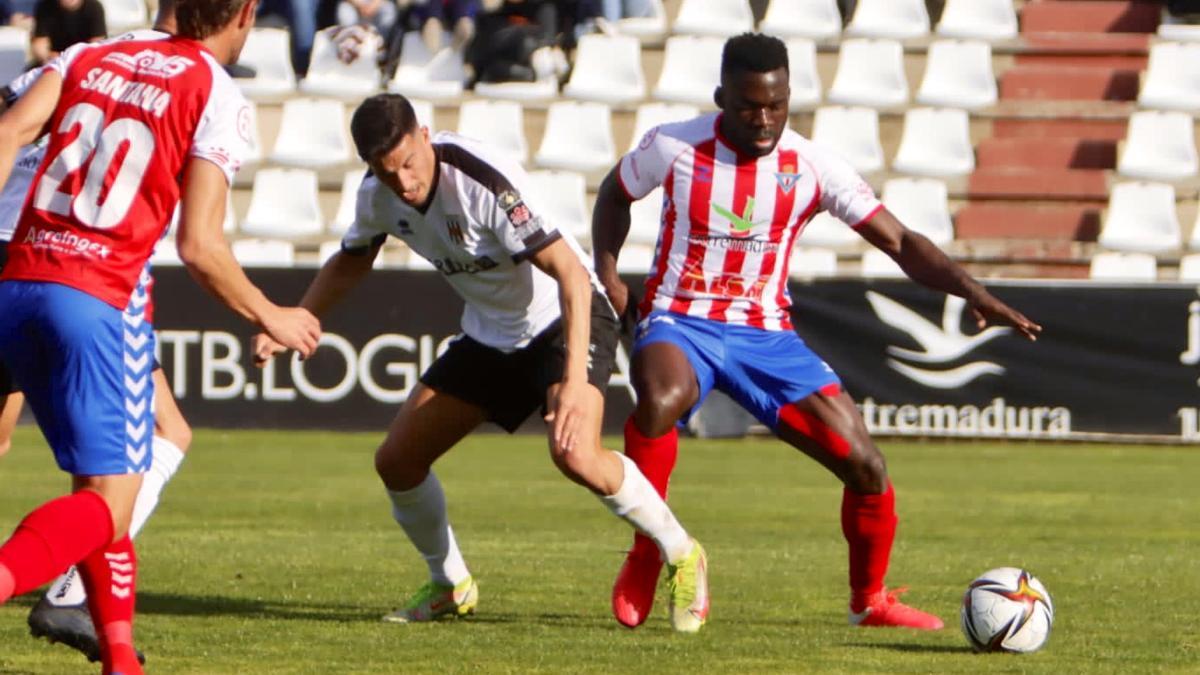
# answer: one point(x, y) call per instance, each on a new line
point(1007, 610)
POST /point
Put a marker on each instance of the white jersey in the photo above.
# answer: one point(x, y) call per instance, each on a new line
point(729, 221)
point(12, 196)
point(482, 225)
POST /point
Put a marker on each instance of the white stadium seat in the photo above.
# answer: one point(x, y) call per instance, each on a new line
point(808, 263)
point(1159, 146)
point(1141, 217)
point(420, 74)
point(498, 123)
point(649, 28)
point(635, 259)
point(958, 74)
point(264, 253)
point(312, 134)
point(1178, 32)
point(545, 89)
point(816, 19)
point(607, 69)
point(347, 201)
point(1172, 78)
point(283, 204)
point(650, 115)
point(979, 19)
point(425, 113)
point(1189, 267)
point(645, 219)
point(691, 70)
point(1194, 239)
point(896, 19)
point(851, 132)
point(935, 142)
point(877, 264)
point(826, 231)
point(870, 73)
point(578, 137)
point(268, 53)
point(13, 45)
point(923, 205)
point(802, 74)
point(720, 18)
point(330, 76)
point(1114, 266)
point(563, 196)
point(124, 15)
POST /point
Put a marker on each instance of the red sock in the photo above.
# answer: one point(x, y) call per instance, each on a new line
point(656, 459)
point(109, 575)
point(53, 537)
point(869, 525)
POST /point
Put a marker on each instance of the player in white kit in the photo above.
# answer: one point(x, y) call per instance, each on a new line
point(537, 332)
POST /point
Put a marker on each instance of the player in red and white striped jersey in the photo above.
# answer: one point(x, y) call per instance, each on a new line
point(738, 187)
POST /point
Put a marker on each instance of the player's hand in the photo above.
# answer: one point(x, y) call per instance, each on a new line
point(990, 310)
point(566, 412)
point(264, 349)
point(294, 328)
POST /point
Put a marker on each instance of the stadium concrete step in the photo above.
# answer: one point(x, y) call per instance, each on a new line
point(1091, 16)
point(1053, 222)
point(1069, 83)
point(1047, 153)
point(1031, 184)
point(1040, 127)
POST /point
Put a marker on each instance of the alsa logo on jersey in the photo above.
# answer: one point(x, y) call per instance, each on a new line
point(450, 266)
point(65, 242)
point(150, 62)
point(145, 96)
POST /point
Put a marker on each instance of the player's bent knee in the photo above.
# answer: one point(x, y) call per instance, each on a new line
point(396, 469)
point(868, 471)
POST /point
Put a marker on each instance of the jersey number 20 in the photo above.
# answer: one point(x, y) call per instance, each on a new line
point(99, 144)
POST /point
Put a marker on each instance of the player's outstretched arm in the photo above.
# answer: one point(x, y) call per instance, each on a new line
point(610, 226)
point(206, 254)
point(25, 121)
point(925, 263)
point(567, 410)
point(341, 273)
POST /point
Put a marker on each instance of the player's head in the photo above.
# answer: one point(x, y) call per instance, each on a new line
point(226, 23)
point(754, 92)
point(396, 147)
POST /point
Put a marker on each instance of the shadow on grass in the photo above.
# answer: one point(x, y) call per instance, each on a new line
point(909, 647)
point(173, 604)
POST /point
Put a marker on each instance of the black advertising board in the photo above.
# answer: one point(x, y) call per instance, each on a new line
point(1114, 361)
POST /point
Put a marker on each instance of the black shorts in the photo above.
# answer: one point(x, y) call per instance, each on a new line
point(7, 385)
point(510, 386)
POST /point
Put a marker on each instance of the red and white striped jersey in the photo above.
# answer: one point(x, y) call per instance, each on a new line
point(729, 220)
point(131, 114)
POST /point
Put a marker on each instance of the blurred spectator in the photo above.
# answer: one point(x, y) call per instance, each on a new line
point(523, 40)
point(615, 10)
point(58, 24)
point(435, 17)
point(381, 14)
point(1184, 8)
point(300, 18)
point(17, 13)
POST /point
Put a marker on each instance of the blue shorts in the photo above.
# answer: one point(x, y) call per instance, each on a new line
point(84, 367)
point(763, 370)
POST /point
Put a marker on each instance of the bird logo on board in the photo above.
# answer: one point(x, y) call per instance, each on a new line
point(454, 228)
point(787, 178)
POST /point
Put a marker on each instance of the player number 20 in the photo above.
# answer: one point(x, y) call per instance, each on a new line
point(100, 144)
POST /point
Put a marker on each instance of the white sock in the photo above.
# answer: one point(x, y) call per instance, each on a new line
point(68, 590)
point(166, 460)
point(421, 512)
point(638, 504)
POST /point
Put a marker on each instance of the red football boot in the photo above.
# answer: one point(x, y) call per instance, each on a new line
point(885, 609)
point(633, 592)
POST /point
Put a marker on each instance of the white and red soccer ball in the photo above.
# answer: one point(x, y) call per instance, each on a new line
point(1007, 610)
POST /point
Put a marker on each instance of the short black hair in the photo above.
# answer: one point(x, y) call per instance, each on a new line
point(753, 52)
point(380, 123)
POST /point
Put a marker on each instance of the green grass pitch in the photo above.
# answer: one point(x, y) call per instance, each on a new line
point(275, 552)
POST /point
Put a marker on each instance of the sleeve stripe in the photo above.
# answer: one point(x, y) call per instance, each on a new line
point(535, 243)
point(364, 249)
point(875, 211)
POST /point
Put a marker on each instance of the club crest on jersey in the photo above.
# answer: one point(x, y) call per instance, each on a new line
point(514, 207)
point(454, 228)
point(787, 179)
point(150, 62)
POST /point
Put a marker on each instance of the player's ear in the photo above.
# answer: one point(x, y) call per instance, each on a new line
point(248, 13)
